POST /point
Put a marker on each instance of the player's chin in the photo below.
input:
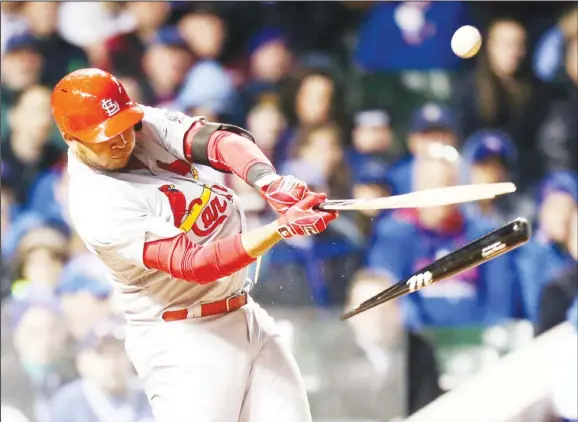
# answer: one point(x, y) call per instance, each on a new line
point(117, 163)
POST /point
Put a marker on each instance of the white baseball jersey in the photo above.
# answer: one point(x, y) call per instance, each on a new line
point(115, 213)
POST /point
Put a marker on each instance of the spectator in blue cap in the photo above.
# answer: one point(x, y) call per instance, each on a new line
point(490, 156)
point(430, 123)
point(372, 140)
point(38, 364)
point(270, 62)
point(21, 68)
point(546, 255)
point(562, 291)
point(84, 291)
point(107, 389)
point(166, 62)
point(369, 182)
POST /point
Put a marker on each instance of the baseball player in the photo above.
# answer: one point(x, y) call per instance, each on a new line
point(177, 248)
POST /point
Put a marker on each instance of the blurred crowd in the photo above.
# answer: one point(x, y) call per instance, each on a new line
point(359, 100)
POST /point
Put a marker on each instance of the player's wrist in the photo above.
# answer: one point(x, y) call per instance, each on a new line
point(265, 180)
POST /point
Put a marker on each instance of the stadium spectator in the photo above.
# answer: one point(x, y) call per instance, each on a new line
point(204, 32)
point(321, 145)
point(558, 134)
point(400, 365)
point(491, 157)
point(49, 195)
point(369, 183)
point(30, 150)
point(40, 257)
point(546, 254)
point(268, 125)
point(21, 69)
point(37, 366)
point(559, 294)
point(372, 141)
point(316, 99)
point(11, 22)
point(501, 93)
point(60, 57)
point(84, 293)
point(165, 63)
point(417, 35)
point(107, 388)
point(548, 58)
point(124, 52)
point(430, 123)
point(413, 238)
point(208, 91)
point(270, 62)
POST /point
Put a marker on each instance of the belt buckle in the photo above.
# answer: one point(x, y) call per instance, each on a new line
point(238, 293)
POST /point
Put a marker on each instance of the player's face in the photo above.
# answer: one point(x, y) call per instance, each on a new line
point(110, 155)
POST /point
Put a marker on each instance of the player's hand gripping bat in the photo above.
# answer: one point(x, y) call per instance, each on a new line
point(425, 198)
point(483, 249)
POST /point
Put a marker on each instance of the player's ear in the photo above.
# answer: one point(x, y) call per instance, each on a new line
point(68, 139)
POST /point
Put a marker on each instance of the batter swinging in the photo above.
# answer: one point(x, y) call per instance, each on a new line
point(177, 248)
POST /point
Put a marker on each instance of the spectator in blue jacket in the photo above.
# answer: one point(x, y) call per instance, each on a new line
point(372, 141)
point(411, 239)
point(490, 156)
point(546, 255)
point(402, 35)
point(430, 123)
point(107, 389)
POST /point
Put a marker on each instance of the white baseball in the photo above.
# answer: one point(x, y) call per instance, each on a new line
point(466, 42)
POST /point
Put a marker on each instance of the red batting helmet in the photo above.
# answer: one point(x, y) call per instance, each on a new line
point(92, 106)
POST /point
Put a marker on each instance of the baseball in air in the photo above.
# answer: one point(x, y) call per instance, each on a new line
point(466, 42)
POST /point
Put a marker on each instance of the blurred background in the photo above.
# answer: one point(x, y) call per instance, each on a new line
point(358, 99)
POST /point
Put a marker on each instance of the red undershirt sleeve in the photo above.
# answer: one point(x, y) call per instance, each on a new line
point(184, 259)
point(229, 152)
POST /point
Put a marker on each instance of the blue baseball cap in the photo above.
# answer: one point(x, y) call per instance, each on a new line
point(372, 172)
point(560, 181)
point(23, 41)
point(433, 116)
point(169, 35)
point(265, 36)
point(492, 143)
point(85, 273)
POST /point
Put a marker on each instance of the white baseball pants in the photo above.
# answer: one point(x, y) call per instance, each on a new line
point(224, 368)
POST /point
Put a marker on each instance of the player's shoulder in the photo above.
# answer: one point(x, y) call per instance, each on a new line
point(162, 117)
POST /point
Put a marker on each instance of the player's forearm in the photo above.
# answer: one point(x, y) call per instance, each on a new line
point(184, 259)
point(258, 241)
point(240, 156)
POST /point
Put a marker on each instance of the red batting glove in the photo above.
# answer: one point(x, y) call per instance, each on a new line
point(302, 220)
point(282, 192)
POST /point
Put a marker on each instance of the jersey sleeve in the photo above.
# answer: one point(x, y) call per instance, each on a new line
point(116, 226)
point(171, 128)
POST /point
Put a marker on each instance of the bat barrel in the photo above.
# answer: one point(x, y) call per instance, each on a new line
point(481, 250)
